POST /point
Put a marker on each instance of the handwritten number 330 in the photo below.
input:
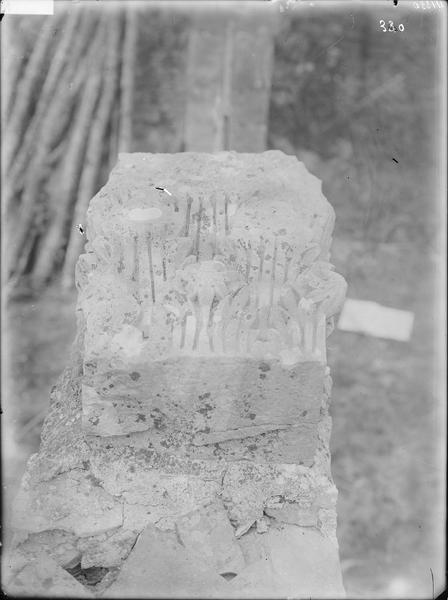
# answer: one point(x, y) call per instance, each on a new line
point(391, 26)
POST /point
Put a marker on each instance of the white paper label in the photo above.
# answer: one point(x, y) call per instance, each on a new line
point(377, 320)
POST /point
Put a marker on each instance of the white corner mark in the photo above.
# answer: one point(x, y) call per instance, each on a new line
point(27, 7)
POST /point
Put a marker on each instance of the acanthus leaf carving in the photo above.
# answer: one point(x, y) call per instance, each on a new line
point(226, 285)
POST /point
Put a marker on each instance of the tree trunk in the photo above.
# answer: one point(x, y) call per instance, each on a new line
point(74, 157)
point(31, 168)
point(127, 81)
point(26, 90)
point(94, 154)
point(62, 56)
point(37, 172)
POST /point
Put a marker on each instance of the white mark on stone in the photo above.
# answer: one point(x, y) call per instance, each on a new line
point(145, 214)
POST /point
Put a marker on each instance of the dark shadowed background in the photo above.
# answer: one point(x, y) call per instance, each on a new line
point(363, 109)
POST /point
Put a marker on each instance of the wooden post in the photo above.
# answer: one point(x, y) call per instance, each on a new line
point(229, 71)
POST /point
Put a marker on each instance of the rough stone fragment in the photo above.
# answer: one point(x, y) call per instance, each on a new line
point(159, 566)
point(250, 489)
point(137, 516)
point(58, 544)
point(150, 493)
point(327, 522)
point(207, 532)
point(71, 502)
point(298, 563)
point(293, 514)
point(106, 550)
point(101, 417)
point(43, 577)
point(252, 546)
point(262, 525)
point(63, 445)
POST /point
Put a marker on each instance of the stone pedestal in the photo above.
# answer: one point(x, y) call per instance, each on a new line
point(186, 451)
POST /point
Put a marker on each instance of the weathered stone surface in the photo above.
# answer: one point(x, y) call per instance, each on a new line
point(156, 492)
point(231, 400)
point(58, 544)
point(294, 562)
point(161, 567)
point(43, 577)
point(293, 514)
point(106, 550)
point(250, 488)
point(195, 407)
point(73, 502)
point(63, 445)
point(207, 533)
point(297, 563)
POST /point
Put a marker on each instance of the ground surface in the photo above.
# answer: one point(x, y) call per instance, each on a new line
point(386, 443)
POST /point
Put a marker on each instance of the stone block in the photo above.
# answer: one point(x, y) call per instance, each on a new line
point(193, 416)
point(195, 405)
point(206, 284)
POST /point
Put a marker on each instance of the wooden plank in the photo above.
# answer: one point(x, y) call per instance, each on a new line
point(229, 77)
